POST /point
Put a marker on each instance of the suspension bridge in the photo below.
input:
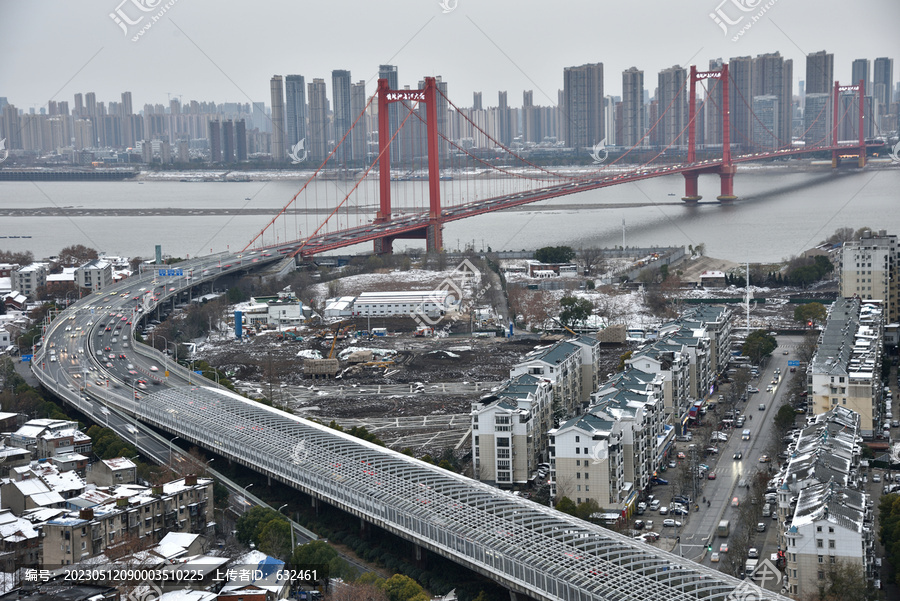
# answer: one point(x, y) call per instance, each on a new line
point(451, 182)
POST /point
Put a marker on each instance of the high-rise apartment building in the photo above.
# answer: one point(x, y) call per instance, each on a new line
point(228, 141)
point(294, 109)
point(632, 107)
point(279, 148)
point(712, 108)
point(772, 75)
point(861, 70)
point(504, 119)
point(340, 96)
point(819, 73)
point(215, 142)
point(359, 136)
point(671, 95)
point(882, 90)
point(765, 122)
point(817, 122)
point(240, 140)
point(582, 115)
point(869, 270)
point(389, 72)
point(740, 94)
point(318, 121)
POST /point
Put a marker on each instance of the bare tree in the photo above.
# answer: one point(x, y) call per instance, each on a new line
point(358, 592)
point(591, 257)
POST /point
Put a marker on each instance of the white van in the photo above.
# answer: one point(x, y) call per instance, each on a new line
point(767, 510)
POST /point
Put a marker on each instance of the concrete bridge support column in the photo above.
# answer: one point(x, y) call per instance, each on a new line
point(690, 187)
point(434, 237)
point(315, 504)
point(421, 555)
point(726, 179)
point(384, 246)
point(364, 529)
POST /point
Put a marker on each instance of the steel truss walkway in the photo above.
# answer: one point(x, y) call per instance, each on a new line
point(528, 548)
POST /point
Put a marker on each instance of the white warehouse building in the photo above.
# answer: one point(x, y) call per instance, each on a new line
point(432, 303)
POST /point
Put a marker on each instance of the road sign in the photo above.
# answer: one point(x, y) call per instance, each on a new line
point(793, 363)
point(26, 358)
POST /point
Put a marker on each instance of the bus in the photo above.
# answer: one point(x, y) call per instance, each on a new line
point(724, 529)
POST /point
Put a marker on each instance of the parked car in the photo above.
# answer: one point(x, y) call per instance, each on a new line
point(753, 553)
point(664, 510)
point(670, 523)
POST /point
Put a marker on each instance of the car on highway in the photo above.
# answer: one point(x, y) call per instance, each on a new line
point(712, 476)
point(764, 459)
point(762, 406)
point(735, 502)
point(785, 352)
point(714, 558)
point(738, 456)
point(723, 548)
point(154, 368)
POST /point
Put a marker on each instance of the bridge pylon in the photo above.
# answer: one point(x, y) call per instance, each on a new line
point(433, 232)
point(858, 87)
point(727, 169)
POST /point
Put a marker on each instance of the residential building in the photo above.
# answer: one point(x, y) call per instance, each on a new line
point(846, 368)
point(819, 73)
point(766, 123)
point(95, 275)
point(318, 131)
point(560, 364)
point(279, 148)
point(817, 123)
point(295, 109)
point(672, 363)
point(29, 278)
point(717, 322)
point(20, 496)
point(20, 543)
point(671, 96)
point(633, 126)
point(868, 269)
point(343, 119)
point(583, 114)
point(133, 512)
point(588, 460)
point(774, 76)
point(113, 472)
point(882, 89)
point(509, 428)
point(51, 437)
point(740, 94)
point(828, 527)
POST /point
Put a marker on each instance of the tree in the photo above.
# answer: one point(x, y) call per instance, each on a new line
point(844, 581)
point(759, 344)
point(403, 588)
point(784, 419)
point(591, 257)
point(554, 254)
point(251, 524)
point(810, 313)
point(358, 591)
point(575, 310)
point(77, 254)
point(587, 508)
point(275, 538)
point(567, 505)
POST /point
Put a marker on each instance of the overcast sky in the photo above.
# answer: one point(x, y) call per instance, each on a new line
point(226, 51)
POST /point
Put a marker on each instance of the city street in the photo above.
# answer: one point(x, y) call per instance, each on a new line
point(700, 528)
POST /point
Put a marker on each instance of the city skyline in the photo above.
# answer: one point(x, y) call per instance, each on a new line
point(421, 40)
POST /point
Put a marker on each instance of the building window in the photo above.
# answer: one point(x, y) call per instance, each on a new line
point(819, 543)
point(578, 488)
point(821, 575)
point(830, 530)
point(578, 463)
point(831, 544)
point(587, 475)
point(578, 475)
point(821, 559)
point(587, 488)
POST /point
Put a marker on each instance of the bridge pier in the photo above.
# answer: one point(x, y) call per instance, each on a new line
point(364, 529)
point(434, 237)
point(384, 246)
point(690, 187)
point(726, 179)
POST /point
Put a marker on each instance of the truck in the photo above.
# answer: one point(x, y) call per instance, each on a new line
point(379, 331)
point(724, 529)
point(750, 566)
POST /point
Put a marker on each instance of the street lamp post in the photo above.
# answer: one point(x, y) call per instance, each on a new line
point(165, 356)
point(244, 507)
point(290, 524)
point(171, 448)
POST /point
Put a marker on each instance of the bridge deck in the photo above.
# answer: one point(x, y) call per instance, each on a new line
point(527, 547)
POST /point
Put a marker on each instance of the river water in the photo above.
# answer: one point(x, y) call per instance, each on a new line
point(781, 212)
